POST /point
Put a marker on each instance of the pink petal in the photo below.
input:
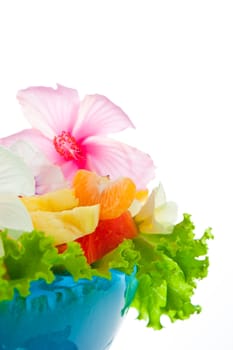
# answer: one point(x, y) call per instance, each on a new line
point(50, 110)
point(109, 157)
point(34, 137)
point(99, 116)
point(49, 178)
point(69, 169)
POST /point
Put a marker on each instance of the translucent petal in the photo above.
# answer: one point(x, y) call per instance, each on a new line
point(157, 215)
point(135, 207)
point(160, 197)
point(151, 226)
point(36, 139)
point(148, 208)
point(13, 214)
point(167, 213)
point(48, 177)
point(15, 175)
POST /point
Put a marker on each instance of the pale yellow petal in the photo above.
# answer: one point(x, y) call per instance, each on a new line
point(142, 195)
point(147, 210)
point(154, 227)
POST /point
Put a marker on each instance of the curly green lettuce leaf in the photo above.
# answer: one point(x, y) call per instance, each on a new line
point(26, 259)
point(167, 268)
point(167, 273)
point(32, 257)
point(123, 258)
point(73, 261)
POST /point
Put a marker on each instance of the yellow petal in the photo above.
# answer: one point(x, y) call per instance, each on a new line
point(147, 211)
point(67, 225)
point(137, 204)
point(151, 226)
point(142, 195)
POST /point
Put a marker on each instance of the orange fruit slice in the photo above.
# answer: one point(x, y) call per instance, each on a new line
point(114, 197)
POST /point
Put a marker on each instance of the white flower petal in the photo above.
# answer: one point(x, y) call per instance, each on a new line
point(167, 213)
point(135, 207)
point(160, 197)
point(15, 175)
point(151, 226)
point(48, 176)
point(148, 208)
point(157, 215)
point(13, 214)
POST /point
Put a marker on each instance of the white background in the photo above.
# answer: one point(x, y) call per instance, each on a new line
point(169, 65)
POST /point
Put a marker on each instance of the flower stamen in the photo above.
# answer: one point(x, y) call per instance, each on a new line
point(66, 145)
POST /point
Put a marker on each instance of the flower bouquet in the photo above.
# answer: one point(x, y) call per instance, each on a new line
point(82, 239)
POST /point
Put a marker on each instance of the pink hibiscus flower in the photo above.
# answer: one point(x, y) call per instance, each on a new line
point(73, 134)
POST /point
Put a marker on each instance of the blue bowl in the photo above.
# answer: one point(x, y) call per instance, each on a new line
point(67, 315)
